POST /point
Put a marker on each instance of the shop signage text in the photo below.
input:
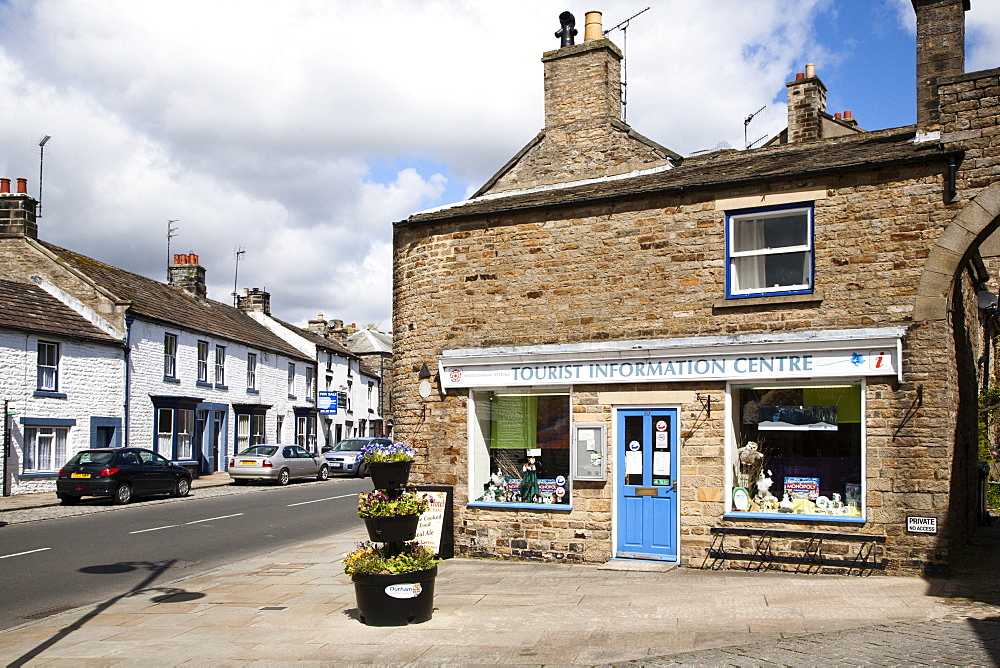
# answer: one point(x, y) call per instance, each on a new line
point(921, 524)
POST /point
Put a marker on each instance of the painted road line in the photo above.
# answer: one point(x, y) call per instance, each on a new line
point(329, 498)
point(209, 519)
point(169, 526)
point(18, 554)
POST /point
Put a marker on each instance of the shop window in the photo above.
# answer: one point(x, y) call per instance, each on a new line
point(185, 433)
point(520, 448)
point(769, 252)
point(175, 432)
point(798, 451)
point(305, 432)
point(44, 448)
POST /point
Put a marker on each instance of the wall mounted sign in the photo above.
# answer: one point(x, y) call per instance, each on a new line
point(589, 453)
point(327, 403)
point(921, 525)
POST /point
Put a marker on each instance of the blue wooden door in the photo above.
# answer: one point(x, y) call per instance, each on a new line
point(647, 484)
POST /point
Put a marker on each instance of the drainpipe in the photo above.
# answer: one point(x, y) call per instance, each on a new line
point(6, 447)
point(128, 376)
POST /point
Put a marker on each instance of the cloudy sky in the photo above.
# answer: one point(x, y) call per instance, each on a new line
point(301, 130)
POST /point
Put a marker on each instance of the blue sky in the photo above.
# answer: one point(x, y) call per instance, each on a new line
point(301, 131)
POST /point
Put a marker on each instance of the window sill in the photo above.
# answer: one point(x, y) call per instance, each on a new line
point(843, 519)
point(519, 506)
point(50, 395)
point(171, 379)
point(203, 383)
point(38, 474)
point(769, 300)
point(220, 386)
point(292, 397)
point(251, 390)
point(310, 400)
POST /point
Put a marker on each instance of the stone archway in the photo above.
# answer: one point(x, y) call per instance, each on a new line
point(976, 221)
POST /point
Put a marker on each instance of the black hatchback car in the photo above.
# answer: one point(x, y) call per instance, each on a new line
point(120, 473)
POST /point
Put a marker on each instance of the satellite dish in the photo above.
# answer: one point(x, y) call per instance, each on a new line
point(985, 299)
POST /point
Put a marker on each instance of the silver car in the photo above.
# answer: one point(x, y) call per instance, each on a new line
point(345, 456)
point(277, 462)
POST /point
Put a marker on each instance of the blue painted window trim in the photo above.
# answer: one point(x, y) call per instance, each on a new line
point(171, 379)
point(204, 383)
point(116, 423)
point(520, 506)
point(48, 422)
point(37, 474)
point(220, 386)
point(250, 390)
point(794, 517)
point(48, 394)
point(810, 206)
point(292, 397)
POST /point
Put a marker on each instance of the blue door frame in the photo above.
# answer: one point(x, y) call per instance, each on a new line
point(647, 514)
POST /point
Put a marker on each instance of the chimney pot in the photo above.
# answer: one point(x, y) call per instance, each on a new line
point(194, 258)
point(593, 28)
point(800, 76)
point(4, 185)
point(837, 115)
point(177, 258)
point(22, 186)
point(810, 70)
point(848, 114)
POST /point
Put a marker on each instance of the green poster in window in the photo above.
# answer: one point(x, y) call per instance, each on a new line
point(514, 421)
point(846, 399)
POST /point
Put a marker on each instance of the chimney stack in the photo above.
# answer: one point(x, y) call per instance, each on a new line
point(806, 104)
point(255, 301)
point(17, 210)
point(583, 82)
point(940, 53)
point(318, 326)
point(185, 273)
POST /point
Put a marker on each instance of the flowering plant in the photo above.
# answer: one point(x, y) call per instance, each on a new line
point(369, 559)
point(378, 452)
point(381, 504)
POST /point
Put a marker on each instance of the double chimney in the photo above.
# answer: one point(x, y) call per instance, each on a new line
point(17, 210)
point(185, 273)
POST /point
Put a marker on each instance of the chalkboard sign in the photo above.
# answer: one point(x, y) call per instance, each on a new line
point(590, 452)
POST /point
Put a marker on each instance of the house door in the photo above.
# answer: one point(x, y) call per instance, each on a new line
point(647, 484)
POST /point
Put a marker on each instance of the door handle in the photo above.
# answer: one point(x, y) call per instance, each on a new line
point(674, 486)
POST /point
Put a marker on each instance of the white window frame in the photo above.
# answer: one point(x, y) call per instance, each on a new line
point(278, 428)
point(48, 355)
point(220, 365)
point(203, 361)
point(243, 437)
point(291, 379)
point(310, 382)
point(259, 427)
point(169, 355)
point(251, 371)
point(185, 434)
point(733, 256)
point(45, 447)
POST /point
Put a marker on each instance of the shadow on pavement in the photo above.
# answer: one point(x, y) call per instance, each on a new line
point(155, 571)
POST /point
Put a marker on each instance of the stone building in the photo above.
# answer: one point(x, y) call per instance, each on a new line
point(690, 360)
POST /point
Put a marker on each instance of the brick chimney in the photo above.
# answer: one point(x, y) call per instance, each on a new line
point(806, 106)
point(318, 326)
point(256, 301)
point(187, 274)
point(17, 210)
point(940, 53)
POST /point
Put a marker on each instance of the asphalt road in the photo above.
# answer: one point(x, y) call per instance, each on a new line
point(56, 564)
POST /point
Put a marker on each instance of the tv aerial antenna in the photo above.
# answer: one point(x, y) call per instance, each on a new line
point(747, 144)
point(623, 26)
point(41, 163)
point(238, 252)
point(171, 233)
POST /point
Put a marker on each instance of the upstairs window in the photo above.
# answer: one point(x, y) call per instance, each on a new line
point(291, 379)
point(203, 361)
point(769, 252)
point(220, 365)
point(48, 366)
point(310, 383)
point(251, 371)
point(170, 355)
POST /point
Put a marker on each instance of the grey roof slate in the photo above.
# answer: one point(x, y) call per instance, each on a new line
point(720, 169)
point(316, 339)
point(160, 302)
point(25, 307)
point(369, 341)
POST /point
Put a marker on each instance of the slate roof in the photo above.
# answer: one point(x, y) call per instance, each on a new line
point(25, 307)
point(369, 341)
point(718, 170)
point(316, 339)
point(160, 302)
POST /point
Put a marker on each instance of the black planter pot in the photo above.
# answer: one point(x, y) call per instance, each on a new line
point(395, 600)
point(392, 528)
point(390, 475)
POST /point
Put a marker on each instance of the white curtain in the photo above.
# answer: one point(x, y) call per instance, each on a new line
point(748, 235)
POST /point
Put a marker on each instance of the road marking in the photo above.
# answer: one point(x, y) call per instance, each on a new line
point(171, 526)
point(18, 554)
point(329, 498)
point(223, 517)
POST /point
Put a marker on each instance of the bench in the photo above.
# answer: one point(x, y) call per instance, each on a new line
point(865, 559)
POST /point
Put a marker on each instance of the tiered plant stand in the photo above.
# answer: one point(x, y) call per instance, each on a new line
point(397, 599)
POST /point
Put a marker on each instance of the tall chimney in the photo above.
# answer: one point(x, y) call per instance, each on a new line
point(17, 210)
point(185, 273)
point(318, 325)
point(940, 53)
point(583, 82)
point(806, 104)
point(256, 300)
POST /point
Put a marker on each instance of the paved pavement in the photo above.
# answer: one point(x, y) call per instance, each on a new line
point(296, 606)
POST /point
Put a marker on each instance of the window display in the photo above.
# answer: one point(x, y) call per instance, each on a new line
point(520, 448)
point(798, 450)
